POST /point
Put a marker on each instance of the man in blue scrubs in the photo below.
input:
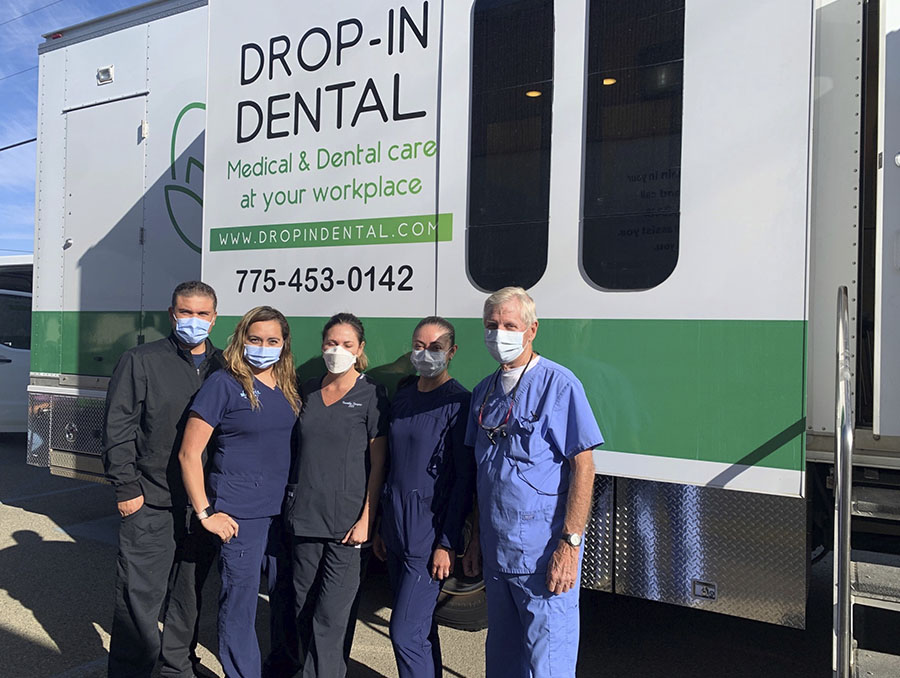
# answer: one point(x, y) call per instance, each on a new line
point(533, 431)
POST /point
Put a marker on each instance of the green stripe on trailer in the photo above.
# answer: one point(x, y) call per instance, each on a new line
point(89, 342)
point(726, 391)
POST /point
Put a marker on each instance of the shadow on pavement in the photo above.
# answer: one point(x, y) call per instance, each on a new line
point(62, 584)
point(623, 636)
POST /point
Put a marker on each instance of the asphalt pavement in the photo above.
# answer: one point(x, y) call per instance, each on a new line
point(57, 566)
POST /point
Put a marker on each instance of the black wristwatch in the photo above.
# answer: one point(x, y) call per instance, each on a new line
point(573, 539)
point(204, 514)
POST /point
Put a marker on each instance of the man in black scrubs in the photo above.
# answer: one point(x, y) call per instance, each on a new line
point(146, 410)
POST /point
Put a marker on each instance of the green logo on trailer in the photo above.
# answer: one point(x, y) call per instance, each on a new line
point(182, 188)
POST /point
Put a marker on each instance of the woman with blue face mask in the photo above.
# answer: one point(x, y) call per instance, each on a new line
point(427, 496)
point(252, 406)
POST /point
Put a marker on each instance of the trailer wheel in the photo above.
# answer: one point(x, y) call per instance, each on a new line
point(462, 604)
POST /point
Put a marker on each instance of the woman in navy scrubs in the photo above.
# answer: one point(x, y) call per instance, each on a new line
point(427, 496)
point(334, 492)
point(252, 405)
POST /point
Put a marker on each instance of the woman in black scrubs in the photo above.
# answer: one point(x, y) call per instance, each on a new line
point(427, 496)
point(333, 497)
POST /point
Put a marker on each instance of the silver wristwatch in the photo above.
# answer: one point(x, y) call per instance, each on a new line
point(204, 514)
point(572, 539)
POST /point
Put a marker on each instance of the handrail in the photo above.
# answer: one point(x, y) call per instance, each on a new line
point(843, 477)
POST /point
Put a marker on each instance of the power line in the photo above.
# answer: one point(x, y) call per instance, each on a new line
point(18, 73)
point(18, 143)
point(7, 249)
point(36, 9)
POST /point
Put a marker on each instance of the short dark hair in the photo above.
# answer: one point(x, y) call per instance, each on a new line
point(443, 323)
point(194, 288)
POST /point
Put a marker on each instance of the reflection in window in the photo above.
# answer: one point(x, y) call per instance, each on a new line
point(633, 142)
point(509, 177)
point(15, 321)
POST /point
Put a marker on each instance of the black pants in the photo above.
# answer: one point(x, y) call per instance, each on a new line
point(149, 540)
point(326, 580)
point(195, 552)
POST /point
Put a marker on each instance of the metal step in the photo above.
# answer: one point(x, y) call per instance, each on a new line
point(876, 502)
point(870, 664)
point(875, 585)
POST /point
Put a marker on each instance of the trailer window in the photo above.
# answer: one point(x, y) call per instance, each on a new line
point(509, 175)
point(633, 142)
point(15, 321)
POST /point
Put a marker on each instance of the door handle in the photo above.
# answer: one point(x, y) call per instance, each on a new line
point(5, 360)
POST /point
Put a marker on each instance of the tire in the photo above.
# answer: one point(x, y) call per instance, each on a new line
point(462, 604)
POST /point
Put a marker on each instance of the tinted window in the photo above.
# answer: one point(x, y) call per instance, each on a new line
point(509, 176)
point(633, 142)
point(15, 277)
point(15, 321)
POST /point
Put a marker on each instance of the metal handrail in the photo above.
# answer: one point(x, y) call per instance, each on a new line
point(843, 477)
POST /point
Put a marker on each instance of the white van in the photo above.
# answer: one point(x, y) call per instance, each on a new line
point(15, 341)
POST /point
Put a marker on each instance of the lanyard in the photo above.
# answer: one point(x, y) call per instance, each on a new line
point(492, 431)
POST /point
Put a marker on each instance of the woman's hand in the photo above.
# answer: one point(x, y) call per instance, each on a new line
point(472, 559)
point(358, 534)
point(379, 550)
point(222, 525)
point(442, 561)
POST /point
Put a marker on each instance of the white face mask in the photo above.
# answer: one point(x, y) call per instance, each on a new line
point(338, 359)
point(504, 346)
point(429, 363)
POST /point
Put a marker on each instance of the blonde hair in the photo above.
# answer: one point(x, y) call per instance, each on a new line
point(527, 310)
point(362, 362)
point(283, 369)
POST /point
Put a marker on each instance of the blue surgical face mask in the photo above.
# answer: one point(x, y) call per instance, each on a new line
point(503, 345)
point(191, 331)
point(261, 357)
point(429, 363)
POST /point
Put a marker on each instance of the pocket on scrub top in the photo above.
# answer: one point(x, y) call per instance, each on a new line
point(535, 532)
point(347, 507)
point(528, 442)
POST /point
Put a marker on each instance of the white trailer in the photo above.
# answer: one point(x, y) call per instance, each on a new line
point(682, 186)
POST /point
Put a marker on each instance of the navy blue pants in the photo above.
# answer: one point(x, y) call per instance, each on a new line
point(241, 562)
point(414, 633)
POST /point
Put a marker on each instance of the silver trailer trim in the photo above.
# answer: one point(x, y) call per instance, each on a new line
point(68, 391)
point(100, 102)
point(117, 21)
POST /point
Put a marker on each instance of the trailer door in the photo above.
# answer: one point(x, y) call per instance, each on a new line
point(886, 420)
point(103, 219)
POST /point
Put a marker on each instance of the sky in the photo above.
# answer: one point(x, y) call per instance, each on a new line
point(19, 40)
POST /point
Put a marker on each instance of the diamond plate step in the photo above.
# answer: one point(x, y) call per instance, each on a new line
point(875, 585)
point(870, 664)
point(876, 502)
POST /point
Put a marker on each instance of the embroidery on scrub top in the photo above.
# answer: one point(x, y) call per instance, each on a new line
point(492, 431)
point(351, 404)
point(244, 394)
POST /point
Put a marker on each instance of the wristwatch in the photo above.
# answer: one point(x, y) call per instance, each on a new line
point(204, 514)
point(572, 539)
